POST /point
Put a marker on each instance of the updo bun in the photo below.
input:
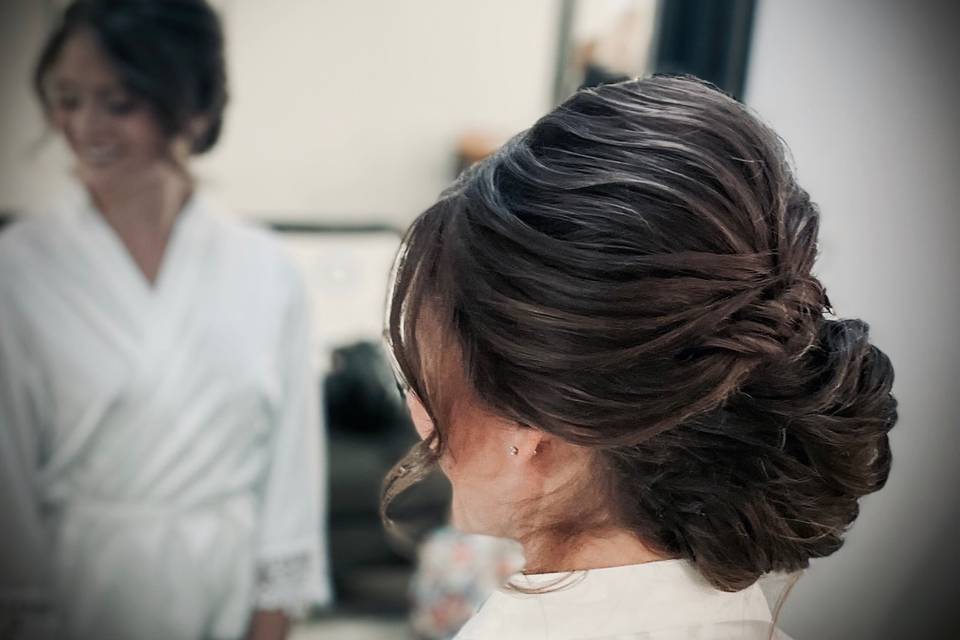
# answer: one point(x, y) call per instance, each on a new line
point(771, 478)
point(634, 274)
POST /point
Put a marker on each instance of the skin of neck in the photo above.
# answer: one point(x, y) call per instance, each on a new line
point(562, 522)
point(612, 547)
point(142, 210)
point(564, 525)
point(148, 203)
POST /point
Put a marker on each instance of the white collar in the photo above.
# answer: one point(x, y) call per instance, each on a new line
point(616, 601)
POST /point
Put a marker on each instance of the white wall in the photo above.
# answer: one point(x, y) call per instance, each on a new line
point(341, 109)
point(866, 94)
point(32, 164)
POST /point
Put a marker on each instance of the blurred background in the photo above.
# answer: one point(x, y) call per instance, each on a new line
point(347, 118)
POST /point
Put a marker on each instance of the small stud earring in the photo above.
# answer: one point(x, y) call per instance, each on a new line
point(514, 451)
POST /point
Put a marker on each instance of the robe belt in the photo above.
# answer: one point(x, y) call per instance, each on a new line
point(126, 507)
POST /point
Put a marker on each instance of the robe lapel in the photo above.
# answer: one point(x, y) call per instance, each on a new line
point(143, 321)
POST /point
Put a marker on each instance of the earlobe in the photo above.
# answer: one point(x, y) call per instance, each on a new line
point(183, 144)
point(180, 150)
point(418, 413)
point(528, 442)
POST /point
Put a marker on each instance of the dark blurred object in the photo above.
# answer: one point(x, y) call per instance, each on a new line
point(369, 430)
point(707, 38)
point(595, 75)
point(5, 219)
point(362, 395)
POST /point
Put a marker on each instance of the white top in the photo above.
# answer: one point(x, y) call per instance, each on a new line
point(666, 600)
point(159, 445)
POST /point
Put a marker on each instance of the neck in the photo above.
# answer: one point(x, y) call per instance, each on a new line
point(149, 204)
point(142, 213)
point(612, 548)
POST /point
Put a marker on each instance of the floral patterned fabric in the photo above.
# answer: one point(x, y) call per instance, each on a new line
point(455, 574)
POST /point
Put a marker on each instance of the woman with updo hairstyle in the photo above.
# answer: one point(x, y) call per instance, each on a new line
point(159, 438)
point(615, 349)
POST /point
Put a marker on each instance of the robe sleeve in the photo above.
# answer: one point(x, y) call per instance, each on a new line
point(292, 567)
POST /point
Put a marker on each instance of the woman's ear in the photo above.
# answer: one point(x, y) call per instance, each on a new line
point(418, 413)
point(197, 127)
point(528, 442)
point(550, 458)
point(184, 142)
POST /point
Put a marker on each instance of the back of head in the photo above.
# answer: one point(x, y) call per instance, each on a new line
point(633, 274)
point(168, 52)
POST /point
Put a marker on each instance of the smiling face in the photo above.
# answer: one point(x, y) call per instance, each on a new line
point(114, 135)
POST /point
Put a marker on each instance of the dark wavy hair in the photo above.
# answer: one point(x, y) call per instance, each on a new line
point(167, 52)
point(633, 275)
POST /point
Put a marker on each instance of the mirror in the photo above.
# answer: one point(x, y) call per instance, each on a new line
point(345, 120)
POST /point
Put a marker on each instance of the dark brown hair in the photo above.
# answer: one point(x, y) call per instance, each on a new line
point(633, 274)
point(167, 52)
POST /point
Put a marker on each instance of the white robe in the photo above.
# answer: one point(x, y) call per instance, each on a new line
point(160, 447)
point(665, 600)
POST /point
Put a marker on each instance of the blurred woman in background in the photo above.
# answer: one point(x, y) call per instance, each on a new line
point(158, 410)
point(618, 354)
